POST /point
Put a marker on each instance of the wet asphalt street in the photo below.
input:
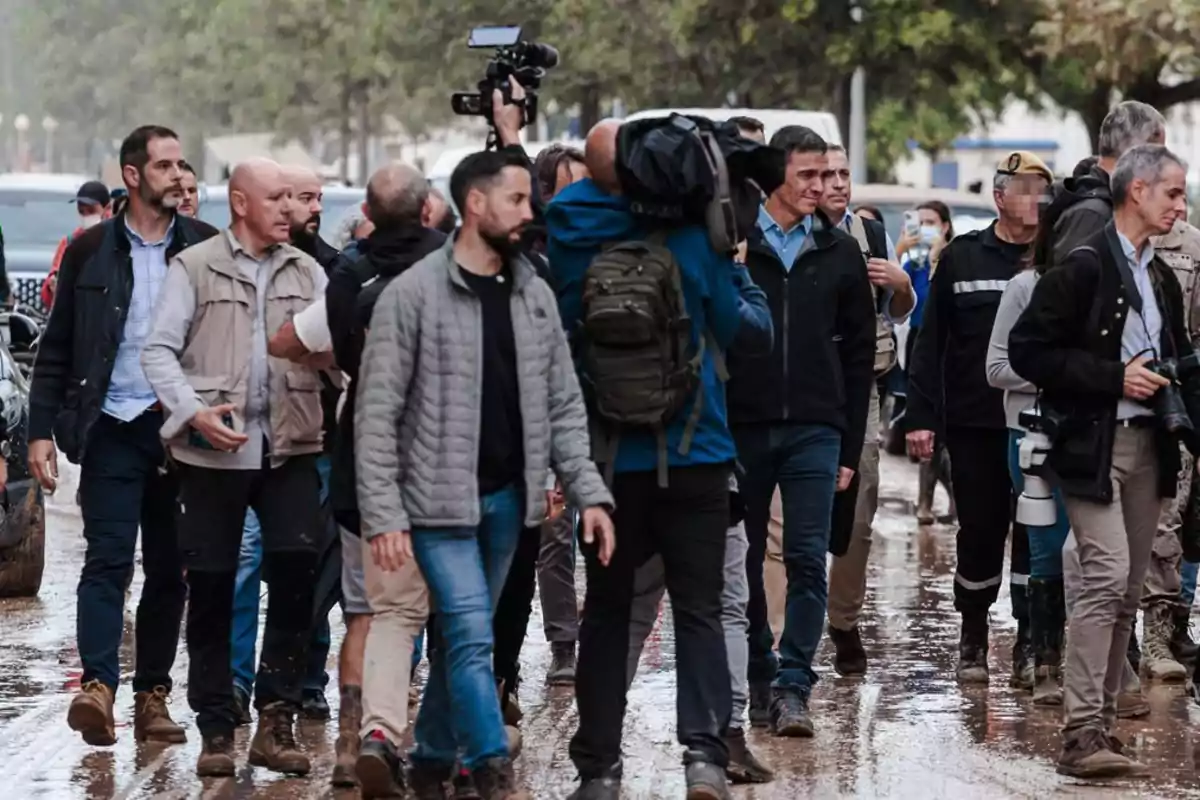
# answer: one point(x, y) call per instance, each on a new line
point(905, 731)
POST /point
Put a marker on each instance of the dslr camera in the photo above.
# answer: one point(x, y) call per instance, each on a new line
point(513, 58)
point(1036, 504)
point(1167, 403)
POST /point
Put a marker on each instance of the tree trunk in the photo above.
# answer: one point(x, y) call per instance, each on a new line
point(841, 104)
point(589, 107)
point(1093, 112)
point(345, 133)
point(364, 135)
point(22, 562)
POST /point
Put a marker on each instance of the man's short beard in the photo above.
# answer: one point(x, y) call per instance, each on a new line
point(502, 242)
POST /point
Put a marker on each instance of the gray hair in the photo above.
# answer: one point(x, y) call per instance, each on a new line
point(1128, 125)
point(1145, 162)
point(343, 235)
point(1000, 182)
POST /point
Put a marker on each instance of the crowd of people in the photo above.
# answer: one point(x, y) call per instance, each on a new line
point(429, 418)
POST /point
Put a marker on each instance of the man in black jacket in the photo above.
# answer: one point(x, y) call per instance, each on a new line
point(1092, 328)
point(798, 415)
point(948, 393)
point(91, 396)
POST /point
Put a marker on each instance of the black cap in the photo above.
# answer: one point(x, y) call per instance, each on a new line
point(93, 193)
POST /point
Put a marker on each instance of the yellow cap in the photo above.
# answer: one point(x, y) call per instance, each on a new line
point(1023, 162)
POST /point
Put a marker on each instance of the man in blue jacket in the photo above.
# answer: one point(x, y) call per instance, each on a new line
point(685, 521)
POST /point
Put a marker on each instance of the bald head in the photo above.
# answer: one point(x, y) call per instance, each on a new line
point(396, 196)
point(600, 153)
point(259, 203)
point(305, 205)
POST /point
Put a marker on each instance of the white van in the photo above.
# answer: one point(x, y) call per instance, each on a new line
point(439, 174)
point(823, 122)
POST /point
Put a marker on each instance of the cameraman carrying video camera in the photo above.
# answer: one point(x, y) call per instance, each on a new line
point(1104, 338)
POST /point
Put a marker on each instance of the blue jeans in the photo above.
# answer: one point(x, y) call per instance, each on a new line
point(1187, 591)
point(1045, 543)
point(465, 569)
point(803, 461)
point(247, 595)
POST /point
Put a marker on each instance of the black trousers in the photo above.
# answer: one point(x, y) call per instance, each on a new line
point(686, 524)
point(984, 497)
point(213, 506)
point(125, 485)
point(511, 620)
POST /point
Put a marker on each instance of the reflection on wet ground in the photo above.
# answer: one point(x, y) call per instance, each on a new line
point(905, 731)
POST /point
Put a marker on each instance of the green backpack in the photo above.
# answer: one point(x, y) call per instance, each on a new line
point(639, 363)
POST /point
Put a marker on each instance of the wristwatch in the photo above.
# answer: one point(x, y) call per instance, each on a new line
point(5, 449)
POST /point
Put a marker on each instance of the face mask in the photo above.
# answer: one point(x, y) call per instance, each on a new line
point(90, 221)
point(930, 233)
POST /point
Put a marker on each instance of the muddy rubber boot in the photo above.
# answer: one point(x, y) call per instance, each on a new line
point(562, 664)
point(926, 484)
point(152, 720)
point(744, 766)
point(849, 658)
point(973, 649)
point(1158, 663)
point(274, 744)
point(1182, 646)
point(495, 780)
point(1088, 753)
point(428, 781)
point(91, 714)
point(1046, 619)
point(346, 748)
point(216, 757)
point(705, 780)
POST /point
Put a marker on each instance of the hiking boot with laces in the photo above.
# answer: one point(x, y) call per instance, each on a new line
point(562, 664)
point(849, 658)
point(744, 766)
point(91, 714)
point(152, 720)
point(494, 780)
point(789, 715)
point(428, 781)
point(380, 769)
point(1158, 662)
point(216, 757)
point(705, 780)
point(274, 744)
point(1088, 753)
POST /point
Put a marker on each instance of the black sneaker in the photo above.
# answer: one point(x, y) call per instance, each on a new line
point(464, 785)
point(313, 705)
point(606, 786)
point(789, 715)
point(744, 766)
point(760, 704)
point(705, 780)
point(379, 768)
point(562, 664)
point(428, 781)
point(241, 700)
point(849, 659)
point(1182, 646)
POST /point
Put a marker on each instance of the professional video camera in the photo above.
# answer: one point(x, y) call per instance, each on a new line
point(514, 58)
point(1167, 402)
point(1036, 504)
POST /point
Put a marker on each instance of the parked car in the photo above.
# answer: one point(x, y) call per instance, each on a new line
point(23, 522)
point(969, 211)
point(36, 212)
point(336, 202)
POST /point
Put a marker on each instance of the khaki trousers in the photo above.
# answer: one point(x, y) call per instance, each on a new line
point(399, 610)
point(1113, 543)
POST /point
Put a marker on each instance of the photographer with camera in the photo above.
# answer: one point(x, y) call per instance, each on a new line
point(1104, 338)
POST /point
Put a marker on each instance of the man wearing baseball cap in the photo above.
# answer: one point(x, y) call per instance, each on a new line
point(949, 397)
point(94, 204)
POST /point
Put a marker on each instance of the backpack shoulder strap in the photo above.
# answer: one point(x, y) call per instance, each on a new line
point(859, 231)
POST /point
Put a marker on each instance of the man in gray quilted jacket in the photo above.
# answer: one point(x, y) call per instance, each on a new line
point(467, 395)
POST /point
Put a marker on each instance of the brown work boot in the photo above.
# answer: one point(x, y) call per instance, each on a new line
point(216, 757)
point(1132, 704)
point(1158, 662)
point(1088, 753)
point(494, 780)
point(91, 714)
point(346, 749)
point(274, 744)
point(152, 720)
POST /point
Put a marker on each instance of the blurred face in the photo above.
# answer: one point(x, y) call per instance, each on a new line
point(1160, 203)
point(159, 184)
point(189, 200)
point(836, 197)
point(569, 171)
point(803, 183)
point(264, 205)
point(1020, 201)
point(930, 219)
point(90, 214)
point(305, 204)
point(501, 210)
